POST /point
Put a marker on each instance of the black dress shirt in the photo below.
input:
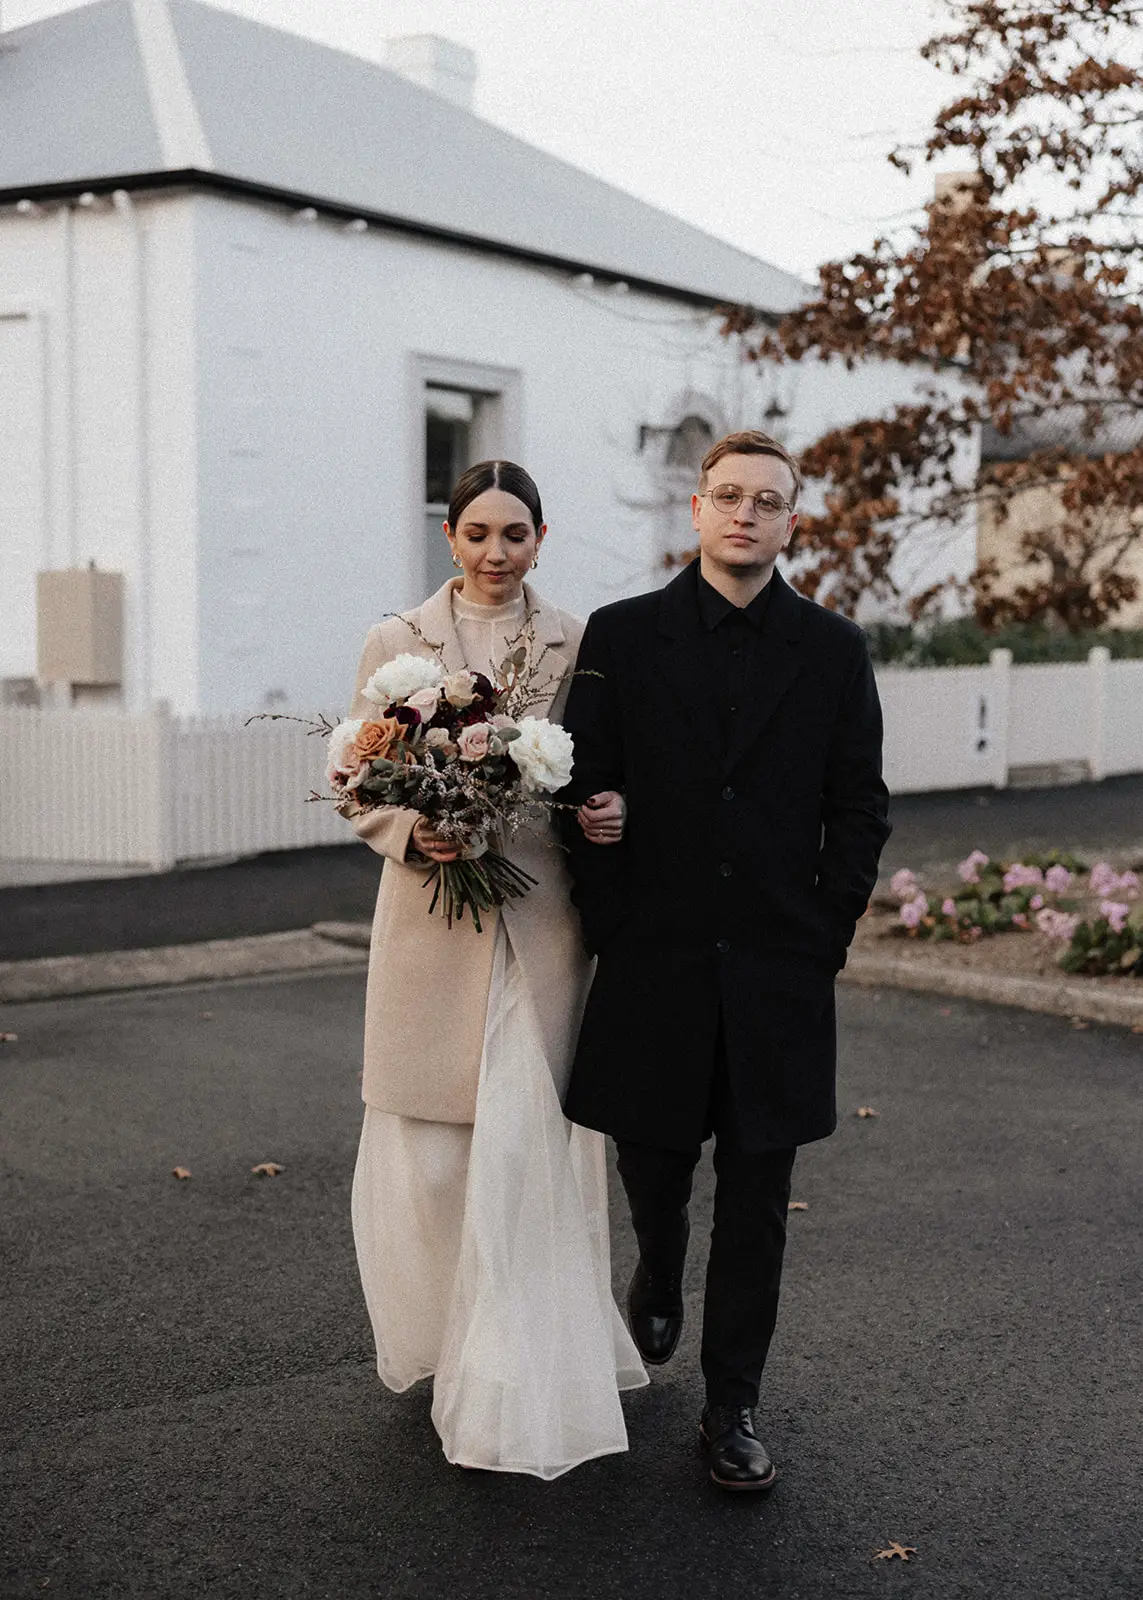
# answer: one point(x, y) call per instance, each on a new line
point(733, 633)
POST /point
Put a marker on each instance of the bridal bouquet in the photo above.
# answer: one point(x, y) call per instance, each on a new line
point(457, 748)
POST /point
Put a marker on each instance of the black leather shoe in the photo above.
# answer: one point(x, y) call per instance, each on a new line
point(655, 1313)
point(738, 1458)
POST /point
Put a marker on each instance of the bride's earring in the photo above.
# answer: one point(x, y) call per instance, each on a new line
point(455, 559)
point(535, 563)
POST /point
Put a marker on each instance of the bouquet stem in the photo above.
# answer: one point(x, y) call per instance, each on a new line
point(476, 885)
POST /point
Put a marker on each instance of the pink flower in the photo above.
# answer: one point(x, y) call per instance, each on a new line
point(1106, 881)
point(1036, 902)
point(969, 867)
point(1019, 876)
point(426, 701)
point(1116, 913)
point(473, 741)
point(903, 885)
point(1057, 879)
point(948, 907)
point(913, 910)
point(1019, 920)
point(1056, 924)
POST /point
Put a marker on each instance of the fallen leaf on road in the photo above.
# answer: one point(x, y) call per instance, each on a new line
point(1078, 1022)
point(866, 1111)
point(944, 1011)
point(903, 1551)
point(206, 1014)
point(267, 1169)
point(8, 1038)
point(798, 1205)
point(180, 1172)
point(1138, 1028)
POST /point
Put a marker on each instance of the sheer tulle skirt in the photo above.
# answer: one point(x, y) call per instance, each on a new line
point(485, 1260)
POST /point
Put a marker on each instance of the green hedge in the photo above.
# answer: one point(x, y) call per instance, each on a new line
point(964, 643)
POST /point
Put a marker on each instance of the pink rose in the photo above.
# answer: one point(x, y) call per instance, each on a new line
point(1116, 913)
point(1019, 920)
point(426, 701)
point(473, 741)
point(1036, 902)
point(1057, 879)
point(949, 907)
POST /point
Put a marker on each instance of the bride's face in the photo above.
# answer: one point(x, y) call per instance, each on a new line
point(496, 544)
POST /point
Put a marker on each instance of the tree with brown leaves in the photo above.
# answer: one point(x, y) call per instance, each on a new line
point(1018, 299)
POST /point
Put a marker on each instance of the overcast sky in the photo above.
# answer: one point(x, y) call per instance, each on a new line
point(766, 122)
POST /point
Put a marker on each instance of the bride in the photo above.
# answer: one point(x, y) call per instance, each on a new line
point(479, 1213)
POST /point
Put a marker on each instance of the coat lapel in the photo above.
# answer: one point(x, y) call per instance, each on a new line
point(779, 660)
point(435, 621)
point(685, 657)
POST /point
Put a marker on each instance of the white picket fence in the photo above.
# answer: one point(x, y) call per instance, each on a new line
point(151, 790)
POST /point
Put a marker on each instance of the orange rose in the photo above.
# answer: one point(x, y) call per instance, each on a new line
point(376, 739)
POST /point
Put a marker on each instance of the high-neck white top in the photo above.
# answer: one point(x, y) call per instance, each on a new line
point(485, 631)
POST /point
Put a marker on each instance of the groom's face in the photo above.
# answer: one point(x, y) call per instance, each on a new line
point(742, 540)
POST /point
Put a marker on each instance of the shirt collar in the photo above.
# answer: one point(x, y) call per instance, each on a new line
point(714, 607)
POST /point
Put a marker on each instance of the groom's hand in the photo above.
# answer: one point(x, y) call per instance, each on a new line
point(602, 817)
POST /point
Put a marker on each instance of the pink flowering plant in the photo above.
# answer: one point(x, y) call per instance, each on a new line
point(1045, 894)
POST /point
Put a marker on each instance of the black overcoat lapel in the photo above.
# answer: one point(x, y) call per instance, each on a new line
point(779, 659)
point(685, 657)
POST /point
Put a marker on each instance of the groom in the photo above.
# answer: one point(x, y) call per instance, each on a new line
point(742, 722)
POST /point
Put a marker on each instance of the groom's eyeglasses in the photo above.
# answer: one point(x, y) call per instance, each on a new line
point(727, 497)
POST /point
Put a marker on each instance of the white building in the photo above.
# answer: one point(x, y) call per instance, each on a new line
point(260, 301)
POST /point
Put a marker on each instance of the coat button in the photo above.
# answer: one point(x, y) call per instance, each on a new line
point(728, 793)
point(725, 869)
point(722, 946)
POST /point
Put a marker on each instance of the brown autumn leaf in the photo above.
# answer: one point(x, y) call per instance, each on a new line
point(866, 1111)
point(944, 1011)
point(901, 1551)
point(267, 1169)
point(1079, 1023)
point(1138, 1028)
point(798, 1205)
point(180, 1172)
point(8, 1038)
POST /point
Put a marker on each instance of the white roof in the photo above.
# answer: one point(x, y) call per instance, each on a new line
point(125, 89)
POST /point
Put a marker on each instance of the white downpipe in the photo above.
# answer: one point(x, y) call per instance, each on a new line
point(70, 402)
point(125, 206)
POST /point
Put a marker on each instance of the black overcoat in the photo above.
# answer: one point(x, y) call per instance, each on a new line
point(745, 864)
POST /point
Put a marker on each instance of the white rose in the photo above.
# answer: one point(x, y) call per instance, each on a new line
point(437, 738)
point(543, 753)
point(460, 688)
point(339, 743)
point(401, 677)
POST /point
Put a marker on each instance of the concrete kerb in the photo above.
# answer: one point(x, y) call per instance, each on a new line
point(344, 945)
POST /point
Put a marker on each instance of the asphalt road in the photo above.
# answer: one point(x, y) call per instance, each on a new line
point(296, 888)
point(191, 1406)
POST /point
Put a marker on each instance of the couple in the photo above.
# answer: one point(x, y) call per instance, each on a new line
point(730, 817)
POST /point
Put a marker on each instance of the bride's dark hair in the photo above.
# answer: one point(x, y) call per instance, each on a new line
point(504, 475)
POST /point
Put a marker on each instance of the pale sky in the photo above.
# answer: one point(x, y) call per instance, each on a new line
point(766, 122)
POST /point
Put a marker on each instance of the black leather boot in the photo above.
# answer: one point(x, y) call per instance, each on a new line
point(738, 1458)
point(655, 1295)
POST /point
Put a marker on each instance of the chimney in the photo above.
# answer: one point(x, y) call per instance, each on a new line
point(438, 64)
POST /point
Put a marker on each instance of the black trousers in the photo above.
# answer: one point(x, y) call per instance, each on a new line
point(747, 1242)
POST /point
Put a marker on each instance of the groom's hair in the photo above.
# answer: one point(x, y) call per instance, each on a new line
point(751, 442)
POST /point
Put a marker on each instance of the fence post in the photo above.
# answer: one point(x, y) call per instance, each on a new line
point(999, 703)
point(163, 787)
point(1097, 661)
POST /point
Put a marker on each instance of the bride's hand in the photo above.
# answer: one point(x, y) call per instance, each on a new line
point(602, 817)
point(431, 845)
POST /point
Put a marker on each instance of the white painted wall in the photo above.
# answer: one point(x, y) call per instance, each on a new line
point(231, 417)
point(311, 344)
point(96, 430)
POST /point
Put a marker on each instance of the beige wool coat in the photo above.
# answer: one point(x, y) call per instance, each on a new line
point(427, 993)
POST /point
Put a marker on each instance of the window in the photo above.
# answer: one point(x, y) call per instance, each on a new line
point(468, 413)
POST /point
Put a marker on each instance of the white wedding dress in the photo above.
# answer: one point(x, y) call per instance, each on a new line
point(485, 1260)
